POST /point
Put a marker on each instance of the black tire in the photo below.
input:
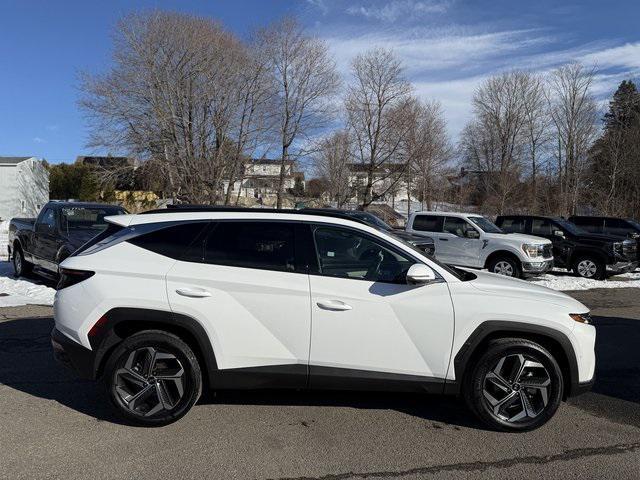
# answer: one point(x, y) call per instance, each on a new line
point(479, 392)
point(505, 265)
point(129, 362)
point(20, 266)
point(590, 267)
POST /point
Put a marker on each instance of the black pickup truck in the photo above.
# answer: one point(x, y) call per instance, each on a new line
point(60, 228)
point(624, 227)
point(589, 255)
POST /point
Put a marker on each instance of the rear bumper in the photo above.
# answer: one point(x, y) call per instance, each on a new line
point(536, 268)
point(580, 388)
point(72, 355)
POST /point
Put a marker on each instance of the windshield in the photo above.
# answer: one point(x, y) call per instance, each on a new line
point(634, 224)
point(87, 219)
point(485, 224)
point(371, 219)
point(572, 228)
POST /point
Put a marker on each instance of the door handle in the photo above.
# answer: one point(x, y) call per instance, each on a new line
point(334, 305)
point(444, 239)
point(193, 292)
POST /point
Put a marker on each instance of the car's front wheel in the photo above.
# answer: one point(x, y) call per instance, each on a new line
point(516, 385)
point(505, 266)
point(153, 378)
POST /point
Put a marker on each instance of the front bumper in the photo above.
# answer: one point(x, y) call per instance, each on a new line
point(539, 267)
point(72, 355)
point(622, 267)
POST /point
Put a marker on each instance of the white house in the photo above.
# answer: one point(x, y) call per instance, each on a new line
point(24, 186)
point(261, 177)
point(388, 181)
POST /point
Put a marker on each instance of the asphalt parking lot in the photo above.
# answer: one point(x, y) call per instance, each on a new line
point(54, 426)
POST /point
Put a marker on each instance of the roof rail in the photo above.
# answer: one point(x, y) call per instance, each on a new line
point(212, 208)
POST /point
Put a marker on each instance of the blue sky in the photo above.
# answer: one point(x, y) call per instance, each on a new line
point(448, 47)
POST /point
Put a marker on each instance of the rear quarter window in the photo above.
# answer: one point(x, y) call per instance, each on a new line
point(173, 241)
point(428, 223)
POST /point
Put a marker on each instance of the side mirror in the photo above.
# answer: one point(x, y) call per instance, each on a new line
point(420, 274)
point(558, 233)
point(472, 234)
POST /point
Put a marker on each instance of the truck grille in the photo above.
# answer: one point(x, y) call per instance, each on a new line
point(547, 251)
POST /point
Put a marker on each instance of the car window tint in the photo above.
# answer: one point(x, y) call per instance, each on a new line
point(49, 218)
point(513, 225)
point(542, 226)
point(617, 226)
point(262, 245)
point(427, 223)
point(457, 226)
point(347, 254)
point(590, 224)
point(170, 241)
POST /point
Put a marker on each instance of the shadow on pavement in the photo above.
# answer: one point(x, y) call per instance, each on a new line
point(27, 365)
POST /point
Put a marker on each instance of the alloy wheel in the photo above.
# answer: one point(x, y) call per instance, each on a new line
point(151, 381)
point(516, 389)
point(587, 268)
point(503, 268)
point(17, 263)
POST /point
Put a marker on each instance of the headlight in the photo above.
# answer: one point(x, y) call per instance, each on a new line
point(581, 317)
point(533, 250)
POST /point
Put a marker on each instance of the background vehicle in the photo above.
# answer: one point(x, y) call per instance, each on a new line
point(59, 229)
point(589, 255)
point(422, 242)
point(471, 240)
point(610, 226)
point(163, 303)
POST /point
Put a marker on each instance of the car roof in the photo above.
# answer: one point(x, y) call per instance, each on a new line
point(66, 204)
point(442, 214)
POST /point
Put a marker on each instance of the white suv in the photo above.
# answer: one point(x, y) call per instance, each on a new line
point(470, 240)
point(161, 304)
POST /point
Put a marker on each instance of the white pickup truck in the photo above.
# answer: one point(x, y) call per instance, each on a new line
point(470, 240)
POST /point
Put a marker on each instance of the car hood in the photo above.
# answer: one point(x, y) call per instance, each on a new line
point(517, 237)
point(410, 237)
point(515, 288)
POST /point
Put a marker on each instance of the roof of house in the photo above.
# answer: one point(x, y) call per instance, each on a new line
point(269, 161)
point(13, 160)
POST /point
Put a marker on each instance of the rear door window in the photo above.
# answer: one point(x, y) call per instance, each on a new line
point(173, 241)
point(428, 223)
point(513, 225)
point(260, 245)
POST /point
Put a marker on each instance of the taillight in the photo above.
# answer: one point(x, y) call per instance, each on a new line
point(69, 277)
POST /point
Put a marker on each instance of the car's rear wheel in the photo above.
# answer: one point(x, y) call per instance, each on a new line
point(505, 266)
point(589, 267)
point(516, 385)
point(153, 378)
point(20, 266)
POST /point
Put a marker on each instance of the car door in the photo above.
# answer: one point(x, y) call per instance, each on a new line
point(46, 239)
point(244, 285)
point(460, 248)
point(431, 225)
point(369, 327)
point(547, 228)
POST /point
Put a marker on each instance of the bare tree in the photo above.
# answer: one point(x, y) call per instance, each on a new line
point(574, 114)
point(306, 79)
point(492, 142)
point(374, 103)
point(331, 162)
point(429, 150)
point(536, 128)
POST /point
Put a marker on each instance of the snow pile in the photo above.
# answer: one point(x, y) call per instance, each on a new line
point(15, 292)
point(4, 239)
point(566, 281)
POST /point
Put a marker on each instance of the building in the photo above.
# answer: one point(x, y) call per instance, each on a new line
point(261, 177)
point(24, 186)
point(385, 183)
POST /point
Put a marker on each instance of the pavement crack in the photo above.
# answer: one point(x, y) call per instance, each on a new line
point(567, 455)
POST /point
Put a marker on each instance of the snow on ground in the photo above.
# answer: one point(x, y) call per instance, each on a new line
point(15, 292)
point(559, 280)
point(4, 239)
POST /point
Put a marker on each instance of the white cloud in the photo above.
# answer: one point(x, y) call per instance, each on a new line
point(623, 56)
point(320, 5)
point(39, 140)
point(399, 9)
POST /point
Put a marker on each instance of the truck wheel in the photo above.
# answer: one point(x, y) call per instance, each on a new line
point(516, 385)
point(505, 266)
point(20, 266)
point(589, 267)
